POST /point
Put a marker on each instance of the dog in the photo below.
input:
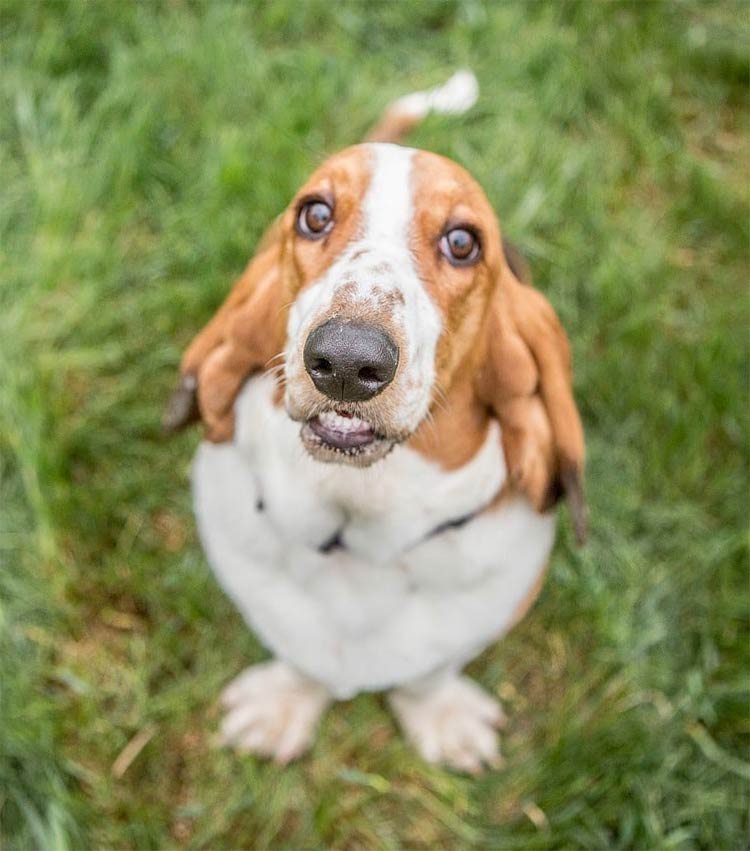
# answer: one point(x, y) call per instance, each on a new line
point(390, 422)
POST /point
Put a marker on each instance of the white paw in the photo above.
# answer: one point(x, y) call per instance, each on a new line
point(272, 711)
point(454, 723)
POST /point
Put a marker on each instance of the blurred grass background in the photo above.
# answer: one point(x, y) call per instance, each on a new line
point(144, 148)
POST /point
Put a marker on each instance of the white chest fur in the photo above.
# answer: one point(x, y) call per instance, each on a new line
point(395, 603)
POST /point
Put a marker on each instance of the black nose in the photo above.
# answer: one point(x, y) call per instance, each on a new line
point(350, 362)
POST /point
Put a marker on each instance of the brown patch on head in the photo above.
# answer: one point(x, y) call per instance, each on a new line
point(341, 181)
point(446, 196)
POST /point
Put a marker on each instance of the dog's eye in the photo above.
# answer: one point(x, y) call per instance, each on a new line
point(460, 246)
point(315, 219)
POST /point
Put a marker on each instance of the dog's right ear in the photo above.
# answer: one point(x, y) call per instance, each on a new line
point(539, 327)
point(241, 338)
point(526, 380)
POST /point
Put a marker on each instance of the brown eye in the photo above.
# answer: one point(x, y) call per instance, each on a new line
point(460, 246)
point(315, 219)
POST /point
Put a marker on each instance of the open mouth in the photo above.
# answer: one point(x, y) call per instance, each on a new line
point(340, 436)
point(342, 431)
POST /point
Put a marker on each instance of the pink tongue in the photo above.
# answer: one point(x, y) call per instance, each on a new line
point(340, 439)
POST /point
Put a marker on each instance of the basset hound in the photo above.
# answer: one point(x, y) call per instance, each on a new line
point(390, 423)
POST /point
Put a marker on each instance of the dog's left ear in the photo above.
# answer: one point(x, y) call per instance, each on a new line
point(526, 378)
point(243, 336)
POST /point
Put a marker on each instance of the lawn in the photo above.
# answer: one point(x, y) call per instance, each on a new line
point(144, 147)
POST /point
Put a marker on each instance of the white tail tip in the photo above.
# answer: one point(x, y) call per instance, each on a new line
point(456, 95)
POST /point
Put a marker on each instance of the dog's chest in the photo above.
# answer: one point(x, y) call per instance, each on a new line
point(395, 601)
point(375, 512)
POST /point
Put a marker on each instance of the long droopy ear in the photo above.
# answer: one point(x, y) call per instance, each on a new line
point(242, 337)
point(526, 379)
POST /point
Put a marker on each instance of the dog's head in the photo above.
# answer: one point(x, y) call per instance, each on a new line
point(391, 254)
point(382, 285)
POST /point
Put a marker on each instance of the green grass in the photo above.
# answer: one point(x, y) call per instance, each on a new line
point(144, 148)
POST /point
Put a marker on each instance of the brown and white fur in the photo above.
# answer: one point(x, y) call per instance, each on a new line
point(388, 568)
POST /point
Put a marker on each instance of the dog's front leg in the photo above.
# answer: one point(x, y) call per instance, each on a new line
point(272, 711)
point(450, 720)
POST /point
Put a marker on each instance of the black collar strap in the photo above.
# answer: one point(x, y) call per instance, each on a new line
point(335, 542)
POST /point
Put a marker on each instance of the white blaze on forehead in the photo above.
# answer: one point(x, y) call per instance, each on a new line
point(388, 206)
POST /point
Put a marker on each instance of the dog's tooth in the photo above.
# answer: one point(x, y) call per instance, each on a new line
point(345, 425)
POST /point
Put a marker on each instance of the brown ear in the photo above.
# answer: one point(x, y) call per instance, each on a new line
point(542, 332)
point(241, 338)
point(527, 380)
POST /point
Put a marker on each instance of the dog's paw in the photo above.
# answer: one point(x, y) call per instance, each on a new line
point(455, 723)
point(272, 711)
